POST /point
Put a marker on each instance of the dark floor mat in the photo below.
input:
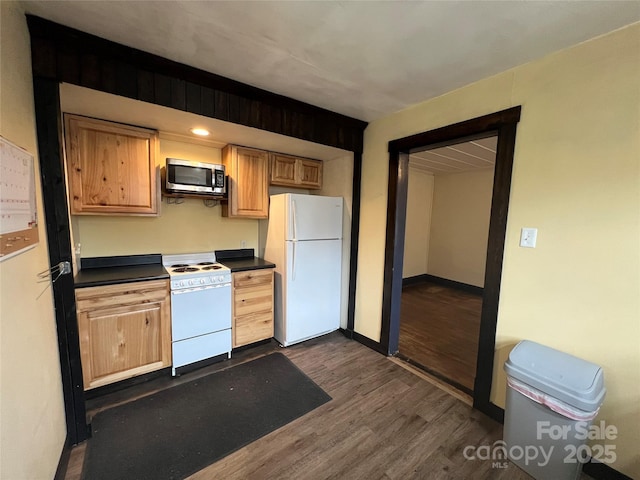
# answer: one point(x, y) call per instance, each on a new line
point(177, 432)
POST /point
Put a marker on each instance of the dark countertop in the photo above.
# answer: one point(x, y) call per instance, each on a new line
point(249, 263)
point(242, 260)
point(99, 271)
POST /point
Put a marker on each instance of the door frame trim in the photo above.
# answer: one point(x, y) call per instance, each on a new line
point(503, 124)
point(49, 132)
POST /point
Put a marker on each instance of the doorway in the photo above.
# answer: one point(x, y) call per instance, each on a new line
point(447, 225)
point(502, 124)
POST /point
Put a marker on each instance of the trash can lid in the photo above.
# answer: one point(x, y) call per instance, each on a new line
point(575, 381)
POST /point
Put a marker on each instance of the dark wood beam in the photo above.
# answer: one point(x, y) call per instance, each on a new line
point(67, 55)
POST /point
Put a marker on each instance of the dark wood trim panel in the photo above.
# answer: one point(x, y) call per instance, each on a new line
point(493, 264)
point(504, 125)
point(394, 168)
point(355, 235)
point(67, 55)
point(425, 277)
point(372, 344)
point(394, 252)
point(63, 461)
point(602, 471)
point(460, 132)
point(49, 131)
point(493, 411)
point(366, 341)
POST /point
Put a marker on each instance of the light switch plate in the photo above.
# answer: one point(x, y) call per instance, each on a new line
point(528, 237)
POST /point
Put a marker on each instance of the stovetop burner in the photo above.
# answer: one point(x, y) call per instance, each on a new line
point(195, 269)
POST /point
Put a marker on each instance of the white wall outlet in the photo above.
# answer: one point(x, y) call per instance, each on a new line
point(528, 237)
point(243, 244)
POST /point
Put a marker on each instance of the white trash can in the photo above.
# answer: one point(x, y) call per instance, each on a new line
point(552, 398)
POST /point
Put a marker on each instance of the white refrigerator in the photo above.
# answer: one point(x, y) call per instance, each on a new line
point(304, 240)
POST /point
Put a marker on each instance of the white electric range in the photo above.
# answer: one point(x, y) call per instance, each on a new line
point(200, 308)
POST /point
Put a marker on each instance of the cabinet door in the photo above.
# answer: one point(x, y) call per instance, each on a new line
point(111, 167)
point(253, 328)
point(124, 331)
point(310, 173)
point(248, 182)
point(252, 306)
point(290, 171)
point(283, 170)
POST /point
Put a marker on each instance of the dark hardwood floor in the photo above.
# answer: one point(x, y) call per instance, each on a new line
point(383, 422)
point(439, 328)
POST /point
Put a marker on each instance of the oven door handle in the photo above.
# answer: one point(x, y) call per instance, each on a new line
point(198, 289)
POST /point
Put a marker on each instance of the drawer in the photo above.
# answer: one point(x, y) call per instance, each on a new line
point(253, 278)
point(200, 348)
point(252, 328)
point(252, 300)
point(129, 293)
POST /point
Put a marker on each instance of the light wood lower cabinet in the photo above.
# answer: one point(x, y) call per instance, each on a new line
point(252, 306)
point(125, 330)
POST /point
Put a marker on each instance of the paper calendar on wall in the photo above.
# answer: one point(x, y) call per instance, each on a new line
point(18, 215)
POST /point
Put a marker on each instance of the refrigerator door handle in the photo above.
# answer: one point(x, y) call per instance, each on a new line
point(293, 261)
point(295, 219)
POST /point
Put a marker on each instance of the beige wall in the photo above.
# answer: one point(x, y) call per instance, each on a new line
point(338, 182)
point(575, 178)
point(418, 224)
point(184, 228)
point(32, 422)
point(460, 226)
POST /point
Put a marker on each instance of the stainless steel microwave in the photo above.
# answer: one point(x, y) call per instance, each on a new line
point(186, 176)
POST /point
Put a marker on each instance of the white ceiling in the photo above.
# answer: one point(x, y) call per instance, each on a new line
point(364, 59)
point(462, 157)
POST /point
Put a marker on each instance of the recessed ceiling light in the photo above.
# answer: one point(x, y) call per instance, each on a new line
point(200, 131)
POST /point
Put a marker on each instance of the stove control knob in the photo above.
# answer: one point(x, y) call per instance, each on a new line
point(182, 284)
point(220, 278)
point(202, 281)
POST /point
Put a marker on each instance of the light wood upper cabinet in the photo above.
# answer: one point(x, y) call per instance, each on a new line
point(111, 167)
point(290, 171)
point(252, 306)
point(248, 186)
point(125, 330)
point(283, 169)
